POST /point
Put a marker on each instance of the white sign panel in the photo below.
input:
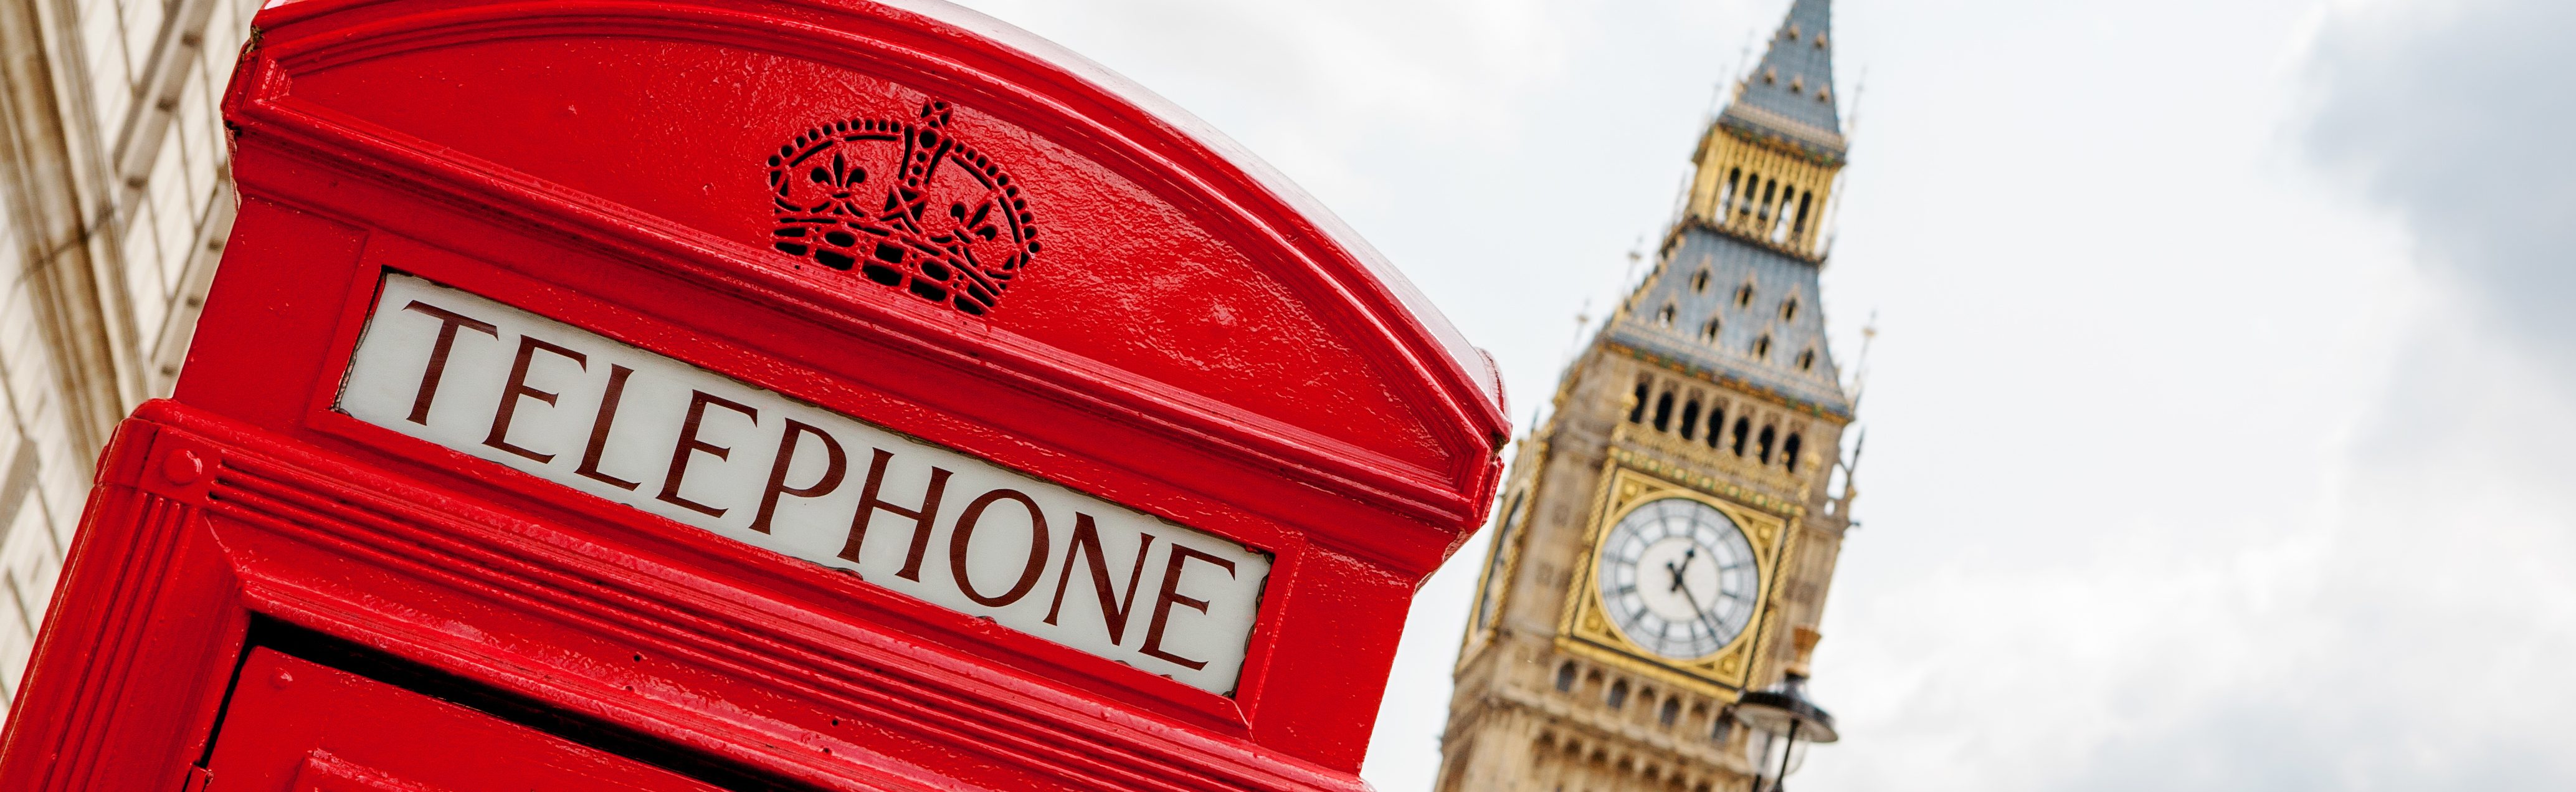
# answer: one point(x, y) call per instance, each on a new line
point(751, 465)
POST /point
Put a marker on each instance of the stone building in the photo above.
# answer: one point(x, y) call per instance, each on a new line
point(1667, 537)
point(114, 204)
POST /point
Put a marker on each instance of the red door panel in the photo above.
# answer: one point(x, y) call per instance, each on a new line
point(294, 726)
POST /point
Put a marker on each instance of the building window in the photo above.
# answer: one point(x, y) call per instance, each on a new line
point(1744, 295)
point(1690, 420)
point(1618, 694)
point(1789, 452)
point(1699, 282)
point(1637, 412)
point(1708, 331)
point(1789, 310)
point(1762, 348)
point(1665, 317)
point(1672, 711)
point(1807, 360)
point(1565, 677)
point(1664, 411)
point(1743, 429)
point(1765, 443)
point(1716, 424)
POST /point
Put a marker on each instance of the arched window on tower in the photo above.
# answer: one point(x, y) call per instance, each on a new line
point(1789, 310)
point(1565, 677)
point(1727, 195)
point(1708, 330)
point(1765, 456)
point(1743, 430)
point(1770, 190)
point(1762, 348)
point(1637, 412)
point(1807, 360)
point(1789, 451)
point(1664, 316)
point(1618, 694)
point(1672, 711)
point(1716, 424)
point(1699, 281)
point(1690, 420)
point(1800, 227)
point(1664, 411)
point(1744, 295)
point(1778, 230)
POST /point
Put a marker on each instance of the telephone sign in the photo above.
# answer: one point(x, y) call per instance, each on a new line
point(750, 465)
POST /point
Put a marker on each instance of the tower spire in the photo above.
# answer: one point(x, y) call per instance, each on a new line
point(1766, 166)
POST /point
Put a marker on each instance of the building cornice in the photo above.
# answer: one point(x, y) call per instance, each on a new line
point(1757, 125)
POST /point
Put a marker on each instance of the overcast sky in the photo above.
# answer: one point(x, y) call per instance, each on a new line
point(2220, 424)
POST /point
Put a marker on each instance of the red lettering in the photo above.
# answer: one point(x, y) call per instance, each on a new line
point(835, 465)
point(922, 518)
point(599, 426)
point(690, 444)
point(965, 532)
point(1171, 594)
point(448, 321)
point(1113, 611)
point(517, 388)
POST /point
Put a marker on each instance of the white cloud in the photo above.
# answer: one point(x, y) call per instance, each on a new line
point(2373, 592)
point(2455, 116)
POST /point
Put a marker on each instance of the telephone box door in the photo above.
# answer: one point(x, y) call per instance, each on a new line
point(296, 726)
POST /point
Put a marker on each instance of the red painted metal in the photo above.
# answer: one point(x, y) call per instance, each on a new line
point(1192, 338)
point(297, 726)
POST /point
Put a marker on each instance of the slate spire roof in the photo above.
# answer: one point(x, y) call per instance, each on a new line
point(1789, 97)
point(1737, 313)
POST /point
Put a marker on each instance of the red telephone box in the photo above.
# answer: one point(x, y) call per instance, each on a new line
point(714, 394)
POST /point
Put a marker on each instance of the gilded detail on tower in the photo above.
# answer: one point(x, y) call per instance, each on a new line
point(1671, 586)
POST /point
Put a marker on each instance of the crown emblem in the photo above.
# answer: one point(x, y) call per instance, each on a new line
point(904, 205)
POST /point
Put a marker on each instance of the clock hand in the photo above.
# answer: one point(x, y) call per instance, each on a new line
point(1701, 612)
point(1677, 569)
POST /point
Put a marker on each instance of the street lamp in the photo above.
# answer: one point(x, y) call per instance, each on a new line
point(1784, 716)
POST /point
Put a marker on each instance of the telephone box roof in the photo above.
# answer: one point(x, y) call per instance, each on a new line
point(1169, 265)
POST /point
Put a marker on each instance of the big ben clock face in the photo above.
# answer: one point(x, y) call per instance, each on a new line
point(1678, 578)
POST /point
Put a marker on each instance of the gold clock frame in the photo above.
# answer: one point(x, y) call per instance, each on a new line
point(1583, 629)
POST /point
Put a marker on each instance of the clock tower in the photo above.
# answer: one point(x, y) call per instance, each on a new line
point(1666, 538)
